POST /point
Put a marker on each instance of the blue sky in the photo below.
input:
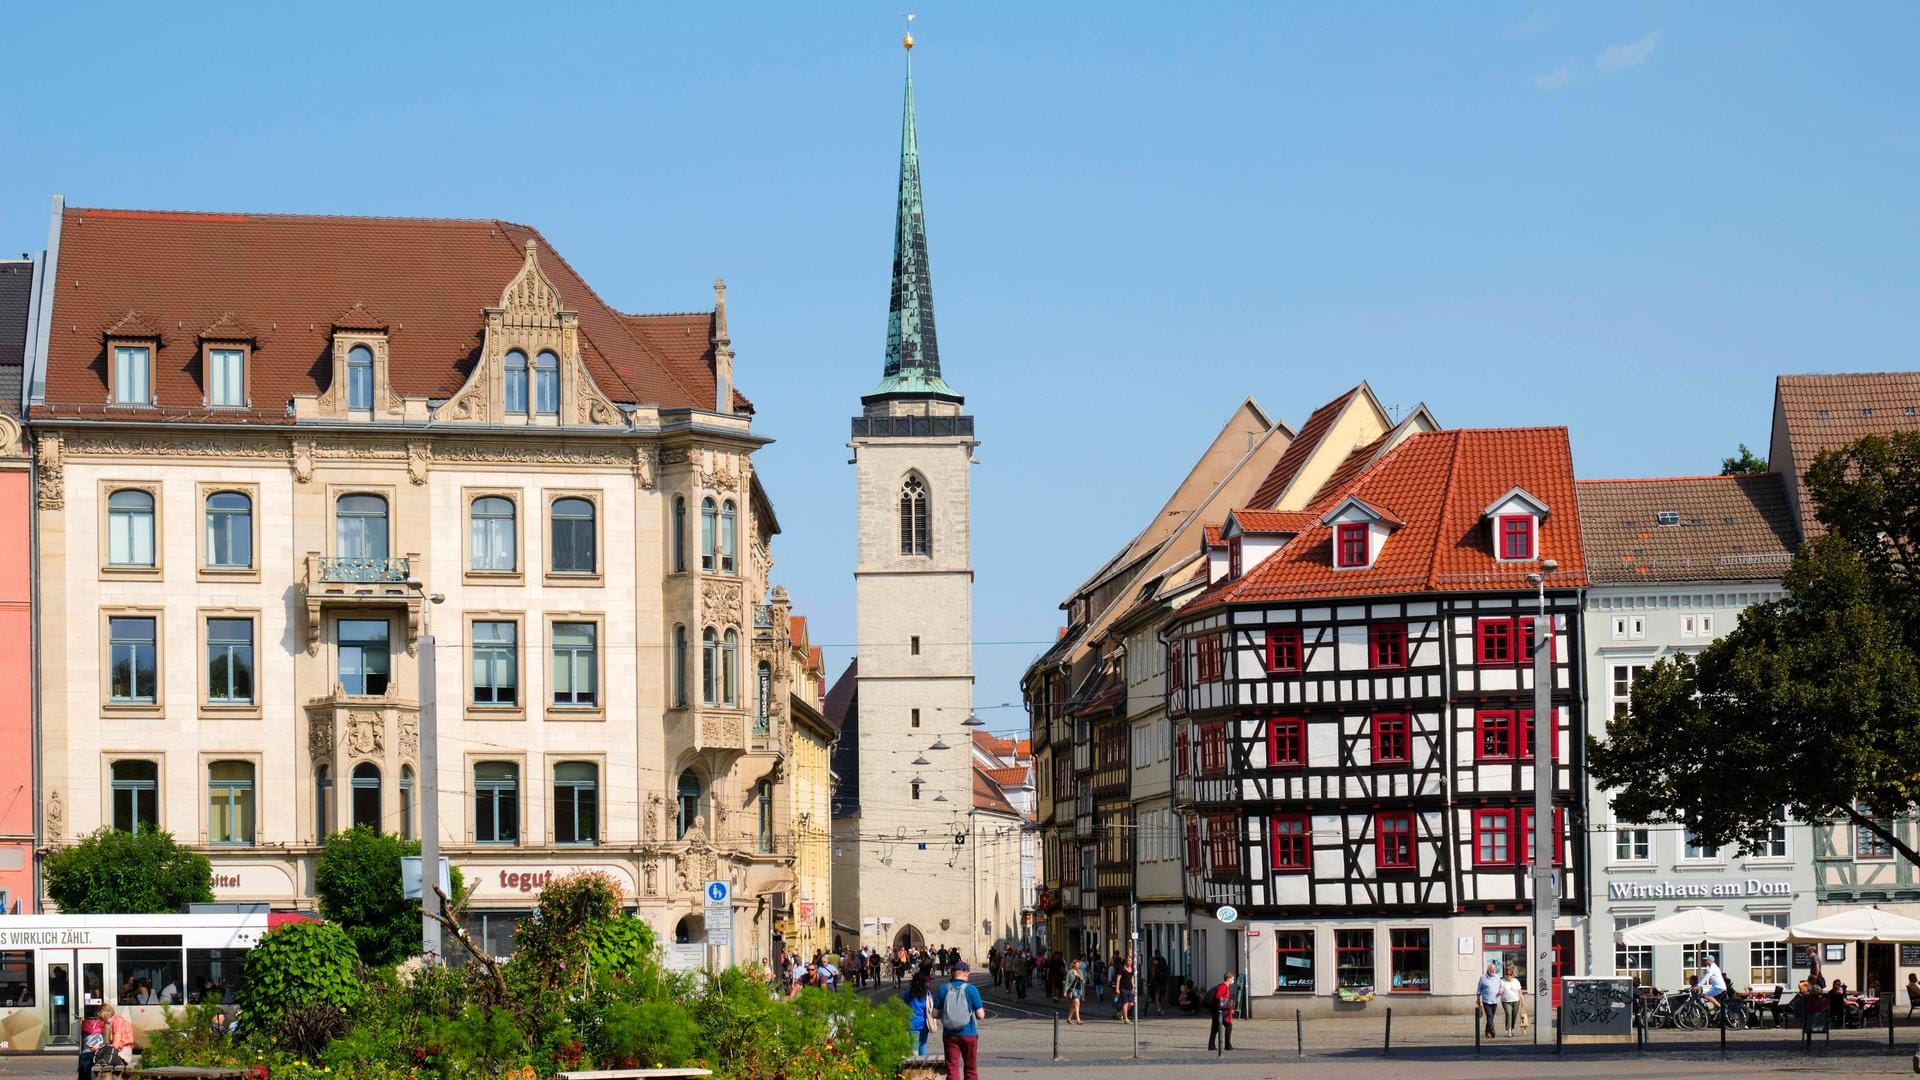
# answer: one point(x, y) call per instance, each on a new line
point(1623, 218)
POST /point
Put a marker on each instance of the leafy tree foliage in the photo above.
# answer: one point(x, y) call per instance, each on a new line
point(358, 879)
point(302, 976)
point(1745, 463)
point(123, 873)
point(1812, 702)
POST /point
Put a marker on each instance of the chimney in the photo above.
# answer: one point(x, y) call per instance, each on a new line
point(722, 353)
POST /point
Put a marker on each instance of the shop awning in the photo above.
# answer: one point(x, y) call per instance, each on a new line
point(1698, 925)
point(1860, 924)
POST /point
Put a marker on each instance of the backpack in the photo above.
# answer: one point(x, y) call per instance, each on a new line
point(954, 1011)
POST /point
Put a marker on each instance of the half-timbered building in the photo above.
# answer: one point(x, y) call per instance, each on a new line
point(1353, 700)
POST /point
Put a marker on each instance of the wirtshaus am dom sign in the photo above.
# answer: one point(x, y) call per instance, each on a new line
point(1697, 890)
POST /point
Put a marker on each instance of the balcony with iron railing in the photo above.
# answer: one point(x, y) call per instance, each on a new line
point(352, 582)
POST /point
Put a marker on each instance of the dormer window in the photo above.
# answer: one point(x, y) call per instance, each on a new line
point(1352, 545)
point(516, 382)
point(133, 374)
point(1514, 522)
point(546, 384)
point(1233, 557)
point(1516, 536)
point(360, 378)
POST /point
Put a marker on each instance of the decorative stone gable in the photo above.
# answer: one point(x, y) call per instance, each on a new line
point(531, 318)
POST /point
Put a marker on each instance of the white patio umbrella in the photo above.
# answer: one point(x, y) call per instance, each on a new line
point(1699, 925)
point(1859, 924)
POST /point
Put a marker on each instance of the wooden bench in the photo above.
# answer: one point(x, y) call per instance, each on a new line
point(635, 1074)
point(923, 1067)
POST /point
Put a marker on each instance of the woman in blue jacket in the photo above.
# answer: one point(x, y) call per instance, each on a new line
point(919, 1001)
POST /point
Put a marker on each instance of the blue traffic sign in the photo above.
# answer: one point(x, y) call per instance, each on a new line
point(716, 892)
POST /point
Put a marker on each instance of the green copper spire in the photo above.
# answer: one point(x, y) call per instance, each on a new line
point(913, 350)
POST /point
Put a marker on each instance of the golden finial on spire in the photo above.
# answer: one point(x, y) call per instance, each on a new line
point(906, 41)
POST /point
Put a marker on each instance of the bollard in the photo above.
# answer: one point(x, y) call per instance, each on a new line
point(1556, 1033)
point(1386, 1046)
point(1476, 1026)
point(1300, 1036)
point(1056, 1036)
point(1723, 1031)
point(1884, 1001)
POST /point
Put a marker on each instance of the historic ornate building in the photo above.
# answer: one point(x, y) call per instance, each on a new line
point(271, 448)
point(908, 804)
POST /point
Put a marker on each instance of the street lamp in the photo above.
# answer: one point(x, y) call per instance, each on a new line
point(429, 782)
point(1546, 892)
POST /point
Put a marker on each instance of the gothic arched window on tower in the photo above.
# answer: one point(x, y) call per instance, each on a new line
point(914, 539)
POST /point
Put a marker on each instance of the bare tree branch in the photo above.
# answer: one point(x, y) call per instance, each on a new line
point(459, 933)
point(1883, 832)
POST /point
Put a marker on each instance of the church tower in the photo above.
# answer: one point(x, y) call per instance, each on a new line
point(906, 871)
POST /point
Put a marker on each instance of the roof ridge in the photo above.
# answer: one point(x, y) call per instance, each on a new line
point(1446, 501)
point(1663, 479)
point(658, 314)
point(150, 214)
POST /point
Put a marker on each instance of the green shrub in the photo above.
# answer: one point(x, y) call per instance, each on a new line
point(296, 968)
point(122, 873)
point(359, 883)
point(650, 1035)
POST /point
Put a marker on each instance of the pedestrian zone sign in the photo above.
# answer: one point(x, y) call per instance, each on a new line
point(716, 892)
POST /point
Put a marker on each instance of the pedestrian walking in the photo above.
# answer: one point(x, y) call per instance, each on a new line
point(1489, 993)
point(1221, 1028)
point(1125, 986)
point(961, 1011)
point(919, 998)
point(1157, 983)
point(1076, 990)
point(1510, 996)
point(1100, 974)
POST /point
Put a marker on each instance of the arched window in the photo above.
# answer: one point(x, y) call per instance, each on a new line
point(763, 698)
point(406, 802)
point(576, 802)
point(136, 795)
point(359, 377)
point(729, 536)
point(709, 667)
point(574, 536)
point(490, 534)
point(229, 530)
point(130, 528)
point(730, 668)
point(360, 527)
point(322, 799)
point(688, 802)
point(516, 382)
point(546, 384)
point(366, 795)
point(914, 538)
point(680, 667)
point(709, 526)
point(679, 534)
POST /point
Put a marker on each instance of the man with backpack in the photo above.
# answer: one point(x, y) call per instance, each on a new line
point(960, 1011)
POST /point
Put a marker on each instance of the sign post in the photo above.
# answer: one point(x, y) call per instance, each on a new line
point(720, 917)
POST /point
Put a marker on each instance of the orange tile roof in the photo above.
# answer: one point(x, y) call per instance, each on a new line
point(1302, 447)
point(988, 796)
point(1211, 536)
point(1350, 468)
point(797, 628)
point(1729, 528)
point(292, 278)
point(1827, 412)
point(1011, 776)
point(1438, 483)
point(1273, 521)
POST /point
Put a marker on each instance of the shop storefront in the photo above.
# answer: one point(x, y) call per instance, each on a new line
point(1778, 894)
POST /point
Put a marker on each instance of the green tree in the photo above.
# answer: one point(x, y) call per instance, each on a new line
point(1745, 463)
point(298, 971)
point(358, 880)
point(1813, 701)
point(122, 873)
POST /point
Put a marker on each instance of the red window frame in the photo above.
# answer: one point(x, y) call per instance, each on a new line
point(1387, 646)
point(1213, 749)
point(1393, 843)
point(1223, 844)
point(1284, 652)
point(1493, 641)
point(1392, 735)
point(1516, 543)
point(1523, 723)
point(1177, 668)
point(1286, 743)
point(1211, 668)
point(1524, 844)
point(1180, 763)
point(1193, 844)
point(1493, 735)
point(1490, 824)
point(1233, 557)
point(1292, 844)
point(1416, 944)
point(1350, 545)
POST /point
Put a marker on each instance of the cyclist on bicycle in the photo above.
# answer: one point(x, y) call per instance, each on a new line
point(1713, 982)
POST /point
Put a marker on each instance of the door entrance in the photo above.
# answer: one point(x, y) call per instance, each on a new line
point(60, 1019)
point(75, 986)
point(1879, 967)
point(909, 937)
point(1562, 960)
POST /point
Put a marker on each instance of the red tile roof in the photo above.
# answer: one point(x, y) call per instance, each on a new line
point(1302, 447)
point(1011, 776)
point(988, 796)
point(1273, 521)
point(1827, 412)
point(797, 628)
point(1437, 483)
point(1211, 536)
point(294, 278)
point(1356, 461)
point(1728, 528)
